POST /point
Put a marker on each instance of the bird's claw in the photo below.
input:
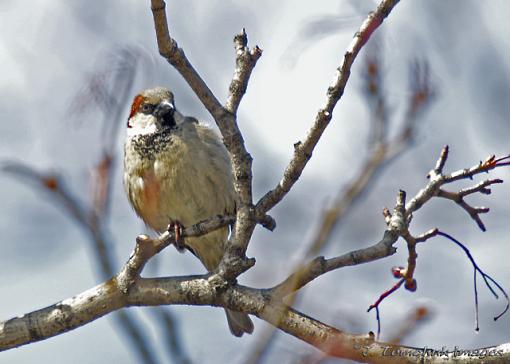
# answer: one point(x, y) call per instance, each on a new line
point(176, 228)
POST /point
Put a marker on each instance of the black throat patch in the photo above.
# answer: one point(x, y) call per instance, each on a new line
point(150, 145)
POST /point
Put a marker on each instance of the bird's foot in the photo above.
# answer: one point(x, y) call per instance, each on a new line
point(176, 228)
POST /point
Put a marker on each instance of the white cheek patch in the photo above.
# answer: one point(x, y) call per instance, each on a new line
point(141, 124)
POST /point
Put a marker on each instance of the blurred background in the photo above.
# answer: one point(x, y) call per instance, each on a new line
point(69, 72)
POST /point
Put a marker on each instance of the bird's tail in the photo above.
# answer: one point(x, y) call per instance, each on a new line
point(239, 323)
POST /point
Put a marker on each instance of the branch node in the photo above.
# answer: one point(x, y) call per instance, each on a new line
point(398, 220)
point(387, 215)
point(268, 222)
point(427, 235)
point(411, 285)
point(442, 160)
point(241, 40)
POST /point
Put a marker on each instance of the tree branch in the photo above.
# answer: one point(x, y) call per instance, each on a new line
point(170, 50)
point(225, 118)
point(245, 62)
point(234, 261)
point(382, 151)
point(107, 88)
point(303, 150)
point(320, 265)
point(198, 290)
point(129, 289)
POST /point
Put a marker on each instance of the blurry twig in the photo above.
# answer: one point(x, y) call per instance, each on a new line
point(416, 317)
point(172, 341)
point(317, 28)
point(102, 248)
point(108, 89)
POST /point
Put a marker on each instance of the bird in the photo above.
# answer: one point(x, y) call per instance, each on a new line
point(178, 171)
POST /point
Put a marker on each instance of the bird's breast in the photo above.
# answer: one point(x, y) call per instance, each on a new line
point(186, 179)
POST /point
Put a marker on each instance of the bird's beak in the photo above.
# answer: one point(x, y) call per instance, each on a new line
point(164, 109)
point(164, 113)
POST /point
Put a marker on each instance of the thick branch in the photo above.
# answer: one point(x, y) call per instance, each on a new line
point(128, 289)
point(90, 221)
point(105, 298)
point(146, 247)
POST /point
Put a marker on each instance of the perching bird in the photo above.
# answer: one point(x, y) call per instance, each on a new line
point(177, 170)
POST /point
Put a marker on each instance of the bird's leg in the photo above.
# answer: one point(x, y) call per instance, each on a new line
point(176, 227)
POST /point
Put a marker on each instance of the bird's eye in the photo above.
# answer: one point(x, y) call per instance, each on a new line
point(147, 108)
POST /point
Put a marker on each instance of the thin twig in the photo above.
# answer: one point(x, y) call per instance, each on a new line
point(245, 62)
point(417, 316)
point(487, 278)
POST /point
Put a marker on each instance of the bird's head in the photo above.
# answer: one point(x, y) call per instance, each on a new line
point(152, 110)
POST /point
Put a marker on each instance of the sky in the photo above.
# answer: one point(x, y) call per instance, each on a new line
point(50, 50)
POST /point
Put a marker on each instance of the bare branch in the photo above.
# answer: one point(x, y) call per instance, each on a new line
point(170, 50)
point(105, 298)
point(487, 278)
point(225, 118)
point(480, 187)
point(426, 235)
point(146, 247)
point(439, 179)
point(320, 265)
point(129, 289)
point(234, 261)
point(245, 62)
point(474, 212)
point(303, 150)
point(398, 223)
point(442, 160)
point(458, 198)
point(411, 262)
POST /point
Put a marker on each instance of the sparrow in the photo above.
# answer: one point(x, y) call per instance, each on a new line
point(177, 171)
